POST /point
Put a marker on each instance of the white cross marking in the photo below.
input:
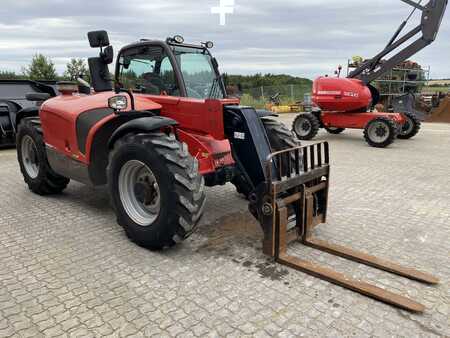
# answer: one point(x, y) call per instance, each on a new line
point(225, 7)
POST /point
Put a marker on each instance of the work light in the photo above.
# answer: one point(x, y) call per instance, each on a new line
point(178, 39)
point(118, 102)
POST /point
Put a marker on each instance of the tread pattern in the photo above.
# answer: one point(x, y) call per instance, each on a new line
point(280, 138)
point(48, 182)
point(393, 131)
point(315, 126)
point(188, 185)
point(414, 131)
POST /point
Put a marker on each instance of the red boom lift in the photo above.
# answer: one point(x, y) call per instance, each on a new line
point(348, 102)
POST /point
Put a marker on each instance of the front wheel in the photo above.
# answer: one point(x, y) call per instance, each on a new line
point(156, 189)
point(306, 126)
point(380, 132)
point(411, 127)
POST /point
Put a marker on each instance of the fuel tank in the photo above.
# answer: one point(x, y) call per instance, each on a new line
point(341, 94)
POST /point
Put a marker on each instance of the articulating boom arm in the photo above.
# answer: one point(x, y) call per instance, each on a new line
point(432, 15)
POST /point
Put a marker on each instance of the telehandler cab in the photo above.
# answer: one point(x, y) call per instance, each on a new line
point(163, 131)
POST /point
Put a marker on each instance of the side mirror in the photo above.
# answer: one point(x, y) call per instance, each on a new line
point(100, 77)
point(98, 39)
point(107, 55)
point(98, 67)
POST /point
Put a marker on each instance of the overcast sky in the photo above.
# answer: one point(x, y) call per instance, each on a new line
point(299, 37)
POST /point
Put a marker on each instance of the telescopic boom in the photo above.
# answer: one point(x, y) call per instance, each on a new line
point(432, 15)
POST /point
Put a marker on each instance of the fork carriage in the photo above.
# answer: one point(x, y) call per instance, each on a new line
point(296, 202)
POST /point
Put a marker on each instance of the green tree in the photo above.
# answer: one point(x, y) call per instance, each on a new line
point(76, 68)
point(41, 68)
point(8, 75)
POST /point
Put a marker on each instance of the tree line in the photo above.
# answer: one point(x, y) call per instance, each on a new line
point(43, 68)
point(267, 80)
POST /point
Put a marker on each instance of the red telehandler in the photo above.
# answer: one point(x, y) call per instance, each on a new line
point(348, 102)
point(162, 131)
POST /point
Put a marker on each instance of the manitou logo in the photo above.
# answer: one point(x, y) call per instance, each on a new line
point(225, 7)
point(329, 92)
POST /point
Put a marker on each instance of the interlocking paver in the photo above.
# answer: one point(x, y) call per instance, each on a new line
point(67, 268)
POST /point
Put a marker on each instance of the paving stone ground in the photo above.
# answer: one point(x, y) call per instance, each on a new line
point(68, 270)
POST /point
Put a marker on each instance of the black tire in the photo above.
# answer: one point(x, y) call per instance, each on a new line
point(380, 132)
point(334, 131)
point(411, 128)
point(41, 179)
point(306, 126)
point(280, 138)
point(181, 189)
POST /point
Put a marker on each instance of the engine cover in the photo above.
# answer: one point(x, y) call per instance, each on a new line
point(341, 94)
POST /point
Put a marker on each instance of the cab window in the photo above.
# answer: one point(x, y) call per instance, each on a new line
point(148, 70)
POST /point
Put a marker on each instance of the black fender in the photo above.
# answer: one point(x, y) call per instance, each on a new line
point(13, 110)
point(114, 129)
point(141, 125)
point(26, 112)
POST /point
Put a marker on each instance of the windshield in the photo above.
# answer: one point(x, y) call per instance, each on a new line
point(148, 70)
point(198, 72)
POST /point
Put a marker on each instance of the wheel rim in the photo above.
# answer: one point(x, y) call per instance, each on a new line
point(408, 126)
point(303, 127)
point(378, 132)
point(30, 158)
point(139, 193)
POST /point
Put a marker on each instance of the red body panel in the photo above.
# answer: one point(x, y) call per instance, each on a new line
point(59, 116)
point(356, 120)
point(210, 153)
point(344, 103)
point(341, 94)
point(201, 128)
point(201, 124)
point(202, 116)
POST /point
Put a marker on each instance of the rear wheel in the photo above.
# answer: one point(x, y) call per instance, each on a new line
point(411, 127)
point(334, 131)
point(280, 138)
point(32, 156)
point(306, 126)
point(156, 189)
point(380, 132)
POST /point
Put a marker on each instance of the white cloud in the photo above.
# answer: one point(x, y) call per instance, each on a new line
point(298, 37)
